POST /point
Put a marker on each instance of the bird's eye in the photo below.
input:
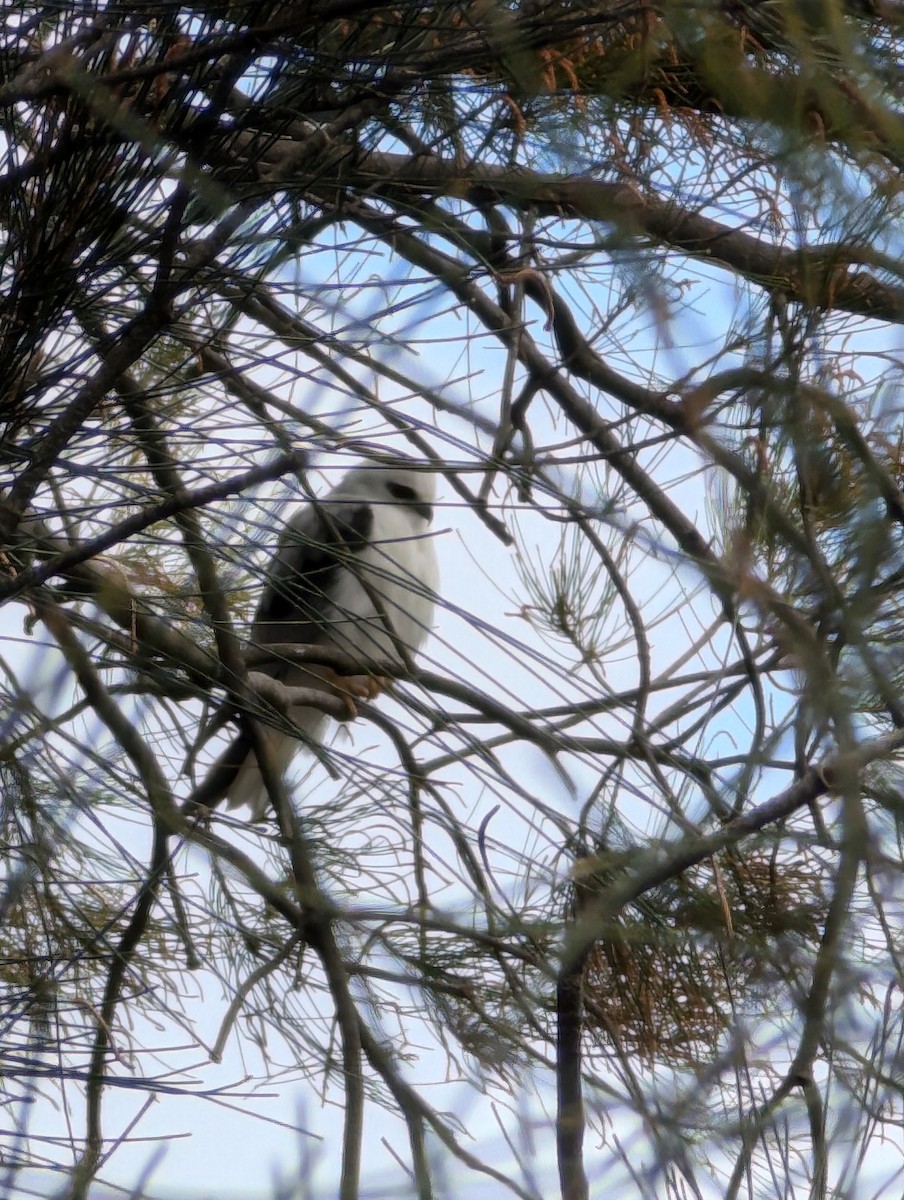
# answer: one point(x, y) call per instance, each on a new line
point(400, 491)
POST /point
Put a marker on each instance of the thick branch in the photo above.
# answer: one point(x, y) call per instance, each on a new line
point(660, 867)
point(821, 276)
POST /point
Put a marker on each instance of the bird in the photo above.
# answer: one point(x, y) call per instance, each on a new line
point(355, 572)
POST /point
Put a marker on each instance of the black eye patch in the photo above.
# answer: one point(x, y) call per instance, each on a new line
point(403, 494)
point(399, 491)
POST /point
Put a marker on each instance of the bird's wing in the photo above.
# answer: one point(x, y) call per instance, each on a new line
point(318, 543)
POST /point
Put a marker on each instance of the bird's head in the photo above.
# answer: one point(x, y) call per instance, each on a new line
point(402, 481)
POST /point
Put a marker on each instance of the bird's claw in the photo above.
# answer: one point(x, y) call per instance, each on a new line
point(361, 687)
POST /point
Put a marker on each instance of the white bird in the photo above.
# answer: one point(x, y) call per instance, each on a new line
point(355, 572)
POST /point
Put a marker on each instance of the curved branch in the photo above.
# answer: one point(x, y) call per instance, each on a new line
point(822, 276)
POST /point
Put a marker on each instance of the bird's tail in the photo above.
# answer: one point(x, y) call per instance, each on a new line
point(248, 785)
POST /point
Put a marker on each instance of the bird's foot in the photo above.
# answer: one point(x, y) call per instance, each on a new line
point(361, 687)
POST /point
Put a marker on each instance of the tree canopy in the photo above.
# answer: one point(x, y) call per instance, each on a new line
point(605, 892)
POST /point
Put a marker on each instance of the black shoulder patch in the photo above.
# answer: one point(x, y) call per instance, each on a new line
point(304, 568)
